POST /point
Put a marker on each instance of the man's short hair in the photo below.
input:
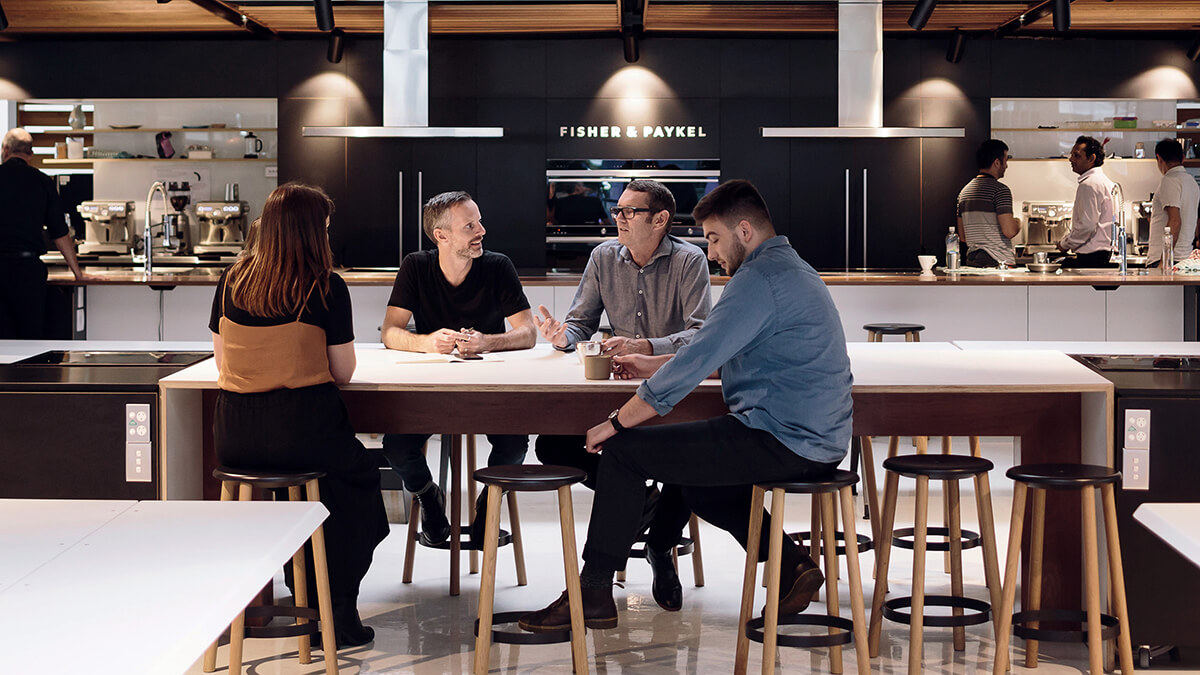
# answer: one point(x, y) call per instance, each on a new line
point(661, 198)
point(990, 151)
point(434, 213)
point(18, 142)
point(1169, 150)
point(732, 202)
point(1092, 147)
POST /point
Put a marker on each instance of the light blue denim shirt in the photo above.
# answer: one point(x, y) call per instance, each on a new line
point(777, 338)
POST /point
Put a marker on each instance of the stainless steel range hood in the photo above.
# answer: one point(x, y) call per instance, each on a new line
point(860, 82)
point(405, 82)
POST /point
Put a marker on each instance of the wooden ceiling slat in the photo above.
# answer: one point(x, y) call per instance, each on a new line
point(1129, 15)
point(111, 16)
point(302, 19)
point(458, 18)
point(742, 18)
point(969, 17)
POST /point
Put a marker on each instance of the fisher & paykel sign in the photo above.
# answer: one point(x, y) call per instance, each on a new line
point(632, 131)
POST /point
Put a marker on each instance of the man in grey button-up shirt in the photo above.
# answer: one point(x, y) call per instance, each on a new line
point(655, 290)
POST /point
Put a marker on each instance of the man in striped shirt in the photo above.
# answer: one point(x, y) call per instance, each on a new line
point(985, 214)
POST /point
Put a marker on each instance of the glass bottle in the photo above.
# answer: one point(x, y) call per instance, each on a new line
point(77, 119)
point(1168, 254)
point(952, 251)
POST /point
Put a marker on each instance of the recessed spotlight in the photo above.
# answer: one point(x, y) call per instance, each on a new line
point(920, 14)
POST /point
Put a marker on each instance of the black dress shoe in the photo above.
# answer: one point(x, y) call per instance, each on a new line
point(479, 522)
point(434, 526)
point(599, 611)
point(667, 590)
point(797, 586)
point(348, 629)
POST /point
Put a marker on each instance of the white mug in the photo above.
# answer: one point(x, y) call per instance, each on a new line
point(927, 262)
point(74, 148)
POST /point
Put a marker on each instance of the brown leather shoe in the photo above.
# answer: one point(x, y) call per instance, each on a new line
point(797, 586)
point(599, 611)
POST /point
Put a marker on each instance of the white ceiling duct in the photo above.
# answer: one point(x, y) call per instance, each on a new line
point(860, 82)
point(405, 82)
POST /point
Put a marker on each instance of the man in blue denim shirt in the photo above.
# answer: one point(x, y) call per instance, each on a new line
point(776, 337)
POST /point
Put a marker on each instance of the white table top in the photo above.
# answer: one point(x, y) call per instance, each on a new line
point(1177, 524)
point(135, 587)
point(1097, 347)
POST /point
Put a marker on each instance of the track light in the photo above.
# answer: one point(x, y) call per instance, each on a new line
point(324, 9)
point(1062, 15)
point(3, 19)
point(1193, 52)
point(920, 14)
point(337, 40)
point(958, 45)
point(631, 45)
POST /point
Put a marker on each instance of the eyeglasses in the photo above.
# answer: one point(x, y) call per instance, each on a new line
point(627, 211)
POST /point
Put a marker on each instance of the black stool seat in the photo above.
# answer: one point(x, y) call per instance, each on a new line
point(831, 482)
point(266, 479)
point(529, 477)
point(937, 467)
point(1063, 475)
point(893, 328)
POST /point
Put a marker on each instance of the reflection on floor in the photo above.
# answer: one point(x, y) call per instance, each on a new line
point(420, 629)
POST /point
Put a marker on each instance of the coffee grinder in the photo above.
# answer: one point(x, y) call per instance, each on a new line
point(176, 231)
point(107, 227)
point(222, 227)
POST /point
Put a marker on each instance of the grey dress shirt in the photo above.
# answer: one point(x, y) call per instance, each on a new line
point(666, 301)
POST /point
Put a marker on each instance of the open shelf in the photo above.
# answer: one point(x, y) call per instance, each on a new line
point(215, 130)
point(176, 160)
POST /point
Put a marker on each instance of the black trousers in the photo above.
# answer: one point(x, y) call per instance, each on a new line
point(671, 514)
point(22, 298)
point(307, 430)
point(403, 454)
point(1093, 259)
point(716, 462)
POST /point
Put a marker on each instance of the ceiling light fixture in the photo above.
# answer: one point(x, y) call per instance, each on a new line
point(921, 13)
point(324, 9)
point(958, 45)
point(629, 38)
point(337, 41)
point(1062, 15)
point(1193, 52)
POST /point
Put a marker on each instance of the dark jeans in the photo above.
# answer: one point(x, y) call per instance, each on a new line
point(1094, 259)
point(22, 298)
point(980, 258)
point(403, 453)
point(715, 461)
point(671, 514)
point(307, 430)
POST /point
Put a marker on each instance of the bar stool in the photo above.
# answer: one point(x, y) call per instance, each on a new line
point(910, 331)
point(950, 469)
point(1085, 478)
point(528, 478)
point(240, 483)
point(459, 541)
point(689, 545)
point(766, 628)
point(814, 537)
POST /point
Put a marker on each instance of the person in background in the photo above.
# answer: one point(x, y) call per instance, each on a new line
point(459, 296)
point(654, 288)
point(777, 339)
point(1175, 204)
point(28, 204)
point(283, 339)
point(1092, 216)
point(985, 215)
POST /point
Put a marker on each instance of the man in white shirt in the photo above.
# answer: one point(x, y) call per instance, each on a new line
point(1092, 216)
point(1175, 204)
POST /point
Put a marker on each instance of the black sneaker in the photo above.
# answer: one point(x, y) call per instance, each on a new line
point(479, 522)
point(435, 529)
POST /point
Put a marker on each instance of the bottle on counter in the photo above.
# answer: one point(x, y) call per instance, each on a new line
point(1168, 254)
point(952, 249)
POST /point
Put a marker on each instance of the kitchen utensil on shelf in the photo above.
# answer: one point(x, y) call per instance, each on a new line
point(231, 192)
point(1043, 268)
point(254, 145)
point(162, 143)
point(74, 147)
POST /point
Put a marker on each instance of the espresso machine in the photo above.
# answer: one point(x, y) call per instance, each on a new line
point(1142, 210)
point(108, 229)
point(1044, 224)
point(222, 227)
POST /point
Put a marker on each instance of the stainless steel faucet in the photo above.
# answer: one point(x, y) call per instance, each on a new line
point(1118, 227)
point(147, 233)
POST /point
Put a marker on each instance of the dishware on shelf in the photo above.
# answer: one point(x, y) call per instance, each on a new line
point(74, 147)
point(124, 126)
point(254, 145)
point(1043, 268)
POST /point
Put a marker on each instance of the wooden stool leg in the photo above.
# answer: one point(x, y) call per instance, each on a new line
point(1003, 616)
point(621, 576)
point(742, 654)
point(950, 489)
point(473, 555)
point(976, 450)
point(210, 656)
point(514, 521)
point(566, 520)
point(916, 336)
point(947, 566)
point(883, 551)
point(300, 585)
point(916, 628)
point(697, 559)
point(771, 613)
point(1117, 574)
point(854, 578)
point(987, 533)
point(872, 494)
point(487, 581)
point(324, 601)
point(1091, 576)
point(893, 446)
point(410, 546)
point(829, 527)
point(237, 631)
point(814, 543)
point(456, 451)
point(922, 443)
point(1036, 537)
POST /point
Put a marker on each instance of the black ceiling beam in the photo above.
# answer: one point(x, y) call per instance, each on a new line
point(224, 11)
point(1037, 13)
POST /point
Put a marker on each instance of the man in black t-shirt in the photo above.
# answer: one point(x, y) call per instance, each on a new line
point(459, 297)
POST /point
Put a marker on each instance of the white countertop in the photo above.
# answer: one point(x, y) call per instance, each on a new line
point(1177, 524)
point(15, 350)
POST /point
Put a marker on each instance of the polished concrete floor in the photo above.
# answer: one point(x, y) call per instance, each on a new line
point(420, 629)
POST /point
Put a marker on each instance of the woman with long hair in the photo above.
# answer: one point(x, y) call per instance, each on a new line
point(283, 340)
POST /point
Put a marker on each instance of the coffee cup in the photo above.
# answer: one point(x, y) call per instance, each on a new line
point(588, 348)
point(597, 367)
point(74, 148)
point(927, 262)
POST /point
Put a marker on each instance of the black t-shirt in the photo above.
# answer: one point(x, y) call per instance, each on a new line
point(28, 202)
point(490, 293)
point(334, 315)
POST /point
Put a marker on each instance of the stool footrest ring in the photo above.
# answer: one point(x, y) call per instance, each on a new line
point(754, 630)
point(978, 611)
point(521, 637)
point(465, 544)
point(290, 630)
point(902, 538)
point(1109, 630)
point(805, 538)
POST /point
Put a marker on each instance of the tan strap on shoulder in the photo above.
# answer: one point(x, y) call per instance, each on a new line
point(306, 297)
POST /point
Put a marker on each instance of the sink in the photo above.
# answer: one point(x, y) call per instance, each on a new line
point(112, 358)
point(1106, 363)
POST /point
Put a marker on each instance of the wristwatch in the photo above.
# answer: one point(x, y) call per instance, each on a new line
point(612, 417)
